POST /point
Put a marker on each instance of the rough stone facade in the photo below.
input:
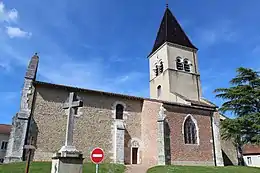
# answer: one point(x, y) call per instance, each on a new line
point(93, 128)
point(139, 128)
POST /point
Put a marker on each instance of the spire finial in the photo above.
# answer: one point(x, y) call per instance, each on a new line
point(167, 4)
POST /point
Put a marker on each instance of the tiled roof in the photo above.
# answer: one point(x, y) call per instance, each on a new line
point(171, 31)
point(251, 149)
point(5, 129)
point(194, 104)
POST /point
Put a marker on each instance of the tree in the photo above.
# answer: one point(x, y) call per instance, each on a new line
point(242, 98)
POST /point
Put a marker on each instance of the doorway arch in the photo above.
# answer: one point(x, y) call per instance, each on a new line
point(135, 146)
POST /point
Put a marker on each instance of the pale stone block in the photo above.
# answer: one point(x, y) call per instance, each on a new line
point(67, 163)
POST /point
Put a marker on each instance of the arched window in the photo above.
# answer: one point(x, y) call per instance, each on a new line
point(161, 67)
point(186, 65)
point(119, 111)
point(159, 90)
point(179, 63)
point(190, 131)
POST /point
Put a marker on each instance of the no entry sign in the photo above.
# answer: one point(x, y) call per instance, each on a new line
point(97, 155)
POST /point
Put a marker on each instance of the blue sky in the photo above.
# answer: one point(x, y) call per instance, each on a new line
point(103, 44)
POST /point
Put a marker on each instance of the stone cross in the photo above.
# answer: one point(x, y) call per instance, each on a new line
point(70, 105)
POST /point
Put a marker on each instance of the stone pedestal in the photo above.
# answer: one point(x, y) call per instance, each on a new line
point(67, 162)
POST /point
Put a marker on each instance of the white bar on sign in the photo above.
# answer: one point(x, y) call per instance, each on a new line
point(97, 155)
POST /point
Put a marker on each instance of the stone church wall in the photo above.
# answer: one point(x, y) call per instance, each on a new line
point(94, 127)
point(189, 154)
point(149, 132)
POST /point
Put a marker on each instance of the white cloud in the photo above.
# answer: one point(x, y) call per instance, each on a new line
point(17, 32)
point(8, 15)
point(218, 32)
point(2, 7)
point(12, 15)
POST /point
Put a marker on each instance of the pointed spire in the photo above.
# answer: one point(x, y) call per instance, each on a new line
point(171, 31)
point(32, 67)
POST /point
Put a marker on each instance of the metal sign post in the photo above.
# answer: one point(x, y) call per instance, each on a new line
point(96, 168)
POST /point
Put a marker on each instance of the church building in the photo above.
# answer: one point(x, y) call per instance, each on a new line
point(174, 126)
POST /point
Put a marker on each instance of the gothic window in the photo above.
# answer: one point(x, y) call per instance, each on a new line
point(159, 90)
point(119, 111)
point(190, 131)
point(186, 65)
point(161, 67)
point(179, 63)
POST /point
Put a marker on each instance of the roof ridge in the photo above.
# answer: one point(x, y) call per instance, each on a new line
point(6, 124)
point(116, 94)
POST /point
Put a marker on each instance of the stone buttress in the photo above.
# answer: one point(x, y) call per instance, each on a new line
point(21, 121)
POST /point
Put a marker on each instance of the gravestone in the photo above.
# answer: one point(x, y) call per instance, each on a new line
point(68, 159)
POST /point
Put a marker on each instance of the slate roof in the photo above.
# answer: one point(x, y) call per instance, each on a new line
point(194, 104)
point(171, 31)
point(5, 129)
point(251, 149)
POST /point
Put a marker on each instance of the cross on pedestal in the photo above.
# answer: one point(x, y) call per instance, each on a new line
point(71, 105)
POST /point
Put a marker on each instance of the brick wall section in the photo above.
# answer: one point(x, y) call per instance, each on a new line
point(181, 153)
point(149, 132)
point(91, 129)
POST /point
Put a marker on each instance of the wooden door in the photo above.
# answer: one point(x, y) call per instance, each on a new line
point(134, 155)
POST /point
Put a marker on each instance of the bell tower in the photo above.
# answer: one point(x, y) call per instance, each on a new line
point(173, 64)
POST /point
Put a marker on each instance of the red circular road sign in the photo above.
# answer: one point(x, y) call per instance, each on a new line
point(97, 155)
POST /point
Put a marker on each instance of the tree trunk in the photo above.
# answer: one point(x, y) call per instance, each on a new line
point(240, 155)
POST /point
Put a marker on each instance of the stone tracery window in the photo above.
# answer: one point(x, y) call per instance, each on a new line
point(190, 131)
point(187, 65)
point(156, 70)
point(158, 66)
point(119, 111)
point(179, 63)
point(161, 67)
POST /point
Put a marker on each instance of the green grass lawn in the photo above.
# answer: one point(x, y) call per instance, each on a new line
point(45, 167)
point(200, 169)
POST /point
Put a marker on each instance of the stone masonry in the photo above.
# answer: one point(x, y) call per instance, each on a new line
point(120, 141)
point(20, 126)
point(217, 139)
point(91, 129)
point(161, 136)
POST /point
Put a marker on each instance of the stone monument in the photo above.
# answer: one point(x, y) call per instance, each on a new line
point(68, 159)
